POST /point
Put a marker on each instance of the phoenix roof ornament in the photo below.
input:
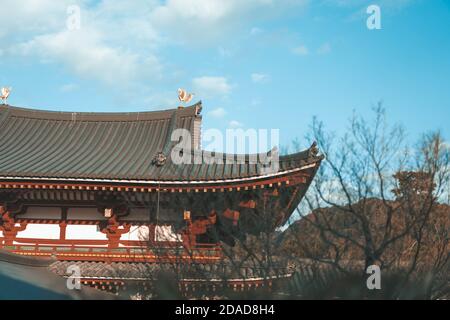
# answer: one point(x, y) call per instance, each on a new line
point(184, 96)
point(5, 94)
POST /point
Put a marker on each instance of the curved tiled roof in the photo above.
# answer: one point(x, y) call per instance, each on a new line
point(148, 271)
point(114, 146)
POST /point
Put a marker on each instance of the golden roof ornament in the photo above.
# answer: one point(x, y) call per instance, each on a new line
point(4, 94)
point(184, 96)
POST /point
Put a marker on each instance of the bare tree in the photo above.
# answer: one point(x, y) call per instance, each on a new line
point(374, 201)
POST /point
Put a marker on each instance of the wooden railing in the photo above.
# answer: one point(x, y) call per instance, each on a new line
point(98, 250)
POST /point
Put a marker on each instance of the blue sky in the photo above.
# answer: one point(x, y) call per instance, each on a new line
point(254, 64)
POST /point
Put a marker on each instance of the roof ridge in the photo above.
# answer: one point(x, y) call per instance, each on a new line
point(168, 143)
point(98, 116)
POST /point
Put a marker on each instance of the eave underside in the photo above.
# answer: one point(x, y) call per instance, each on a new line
point(279, 195)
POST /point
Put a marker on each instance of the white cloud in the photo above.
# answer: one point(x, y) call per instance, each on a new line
point(259, 77)
point(31, 16)
point(301, 50)
point(116, 43)
point(205, 21)
point(235, 124)
point(217, 113)
point(121, 42)
point(324, 49)
point(211, 86)
point(194, 21)
point(84, 52)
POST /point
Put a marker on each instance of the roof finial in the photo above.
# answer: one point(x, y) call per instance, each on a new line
point(184, 97)
point(5, 91)
point(159, 159)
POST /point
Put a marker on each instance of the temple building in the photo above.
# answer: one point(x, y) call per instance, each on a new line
point(104, 187)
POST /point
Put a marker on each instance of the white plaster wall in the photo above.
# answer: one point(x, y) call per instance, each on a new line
point(82, 232)
point(41, 231)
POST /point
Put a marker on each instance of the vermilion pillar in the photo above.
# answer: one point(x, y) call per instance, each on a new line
point(114, 232)
point(8, 226)
point(62, 230)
